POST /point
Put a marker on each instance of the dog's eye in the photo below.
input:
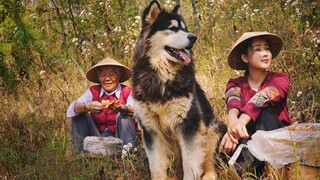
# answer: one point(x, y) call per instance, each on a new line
point(172, 28)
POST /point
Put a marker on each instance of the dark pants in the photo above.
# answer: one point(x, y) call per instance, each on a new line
point(266, 121)
point(83, 126)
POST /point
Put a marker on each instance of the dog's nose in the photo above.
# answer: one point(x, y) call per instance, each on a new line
point(192, 38)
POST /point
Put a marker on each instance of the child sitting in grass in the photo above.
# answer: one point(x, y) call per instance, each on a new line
point(257, 100)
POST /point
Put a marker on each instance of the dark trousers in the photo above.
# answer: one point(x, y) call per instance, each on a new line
point(267, 121)
point(83, 126)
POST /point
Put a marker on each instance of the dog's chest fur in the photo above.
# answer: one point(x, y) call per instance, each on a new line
point(160, 103)
point(163, 117)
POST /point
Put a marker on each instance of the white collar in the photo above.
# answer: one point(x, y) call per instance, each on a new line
point(117, 91)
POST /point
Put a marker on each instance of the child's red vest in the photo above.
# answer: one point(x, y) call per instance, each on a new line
point(107, 118)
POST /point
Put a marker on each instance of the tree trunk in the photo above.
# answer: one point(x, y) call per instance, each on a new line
point(196, 23)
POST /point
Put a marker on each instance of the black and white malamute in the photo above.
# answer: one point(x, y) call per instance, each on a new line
point(176, 118)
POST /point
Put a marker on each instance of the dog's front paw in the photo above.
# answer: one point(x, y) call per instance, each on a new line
point(209, 176)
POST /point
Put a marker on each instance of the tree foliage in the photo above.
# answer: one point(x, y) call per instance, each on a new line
point(47, 46)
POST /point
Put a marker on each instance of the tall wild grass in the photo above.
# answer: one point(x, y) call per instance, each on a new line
point(47, 46)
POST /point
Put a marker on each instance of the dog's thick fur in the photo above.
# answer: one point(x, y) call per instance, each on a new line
point(176, 118)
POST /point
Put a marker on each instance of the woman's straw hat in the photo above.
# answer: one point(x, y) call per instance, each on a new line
point(234, 58)
point(92, 74)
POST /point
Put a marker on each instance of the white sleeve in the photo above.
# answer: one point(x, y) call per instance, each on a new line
point(85, 98)
point(130, 101)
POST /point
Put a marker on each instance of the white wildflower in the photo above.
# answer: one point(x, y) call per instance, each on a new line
point(256, 10)
point(82, 12)
point(294, 3)
point(33, 15)
point(137, 17)
point(314, 39)
point(74, 40)
point(130, 145)
point(101, 3)
point(42, 72)
point(124, 152)
point(98, 46)
point(307, 30)
point(126, 148)
point(50, 90)
point(245, 6)
point(299, 93)
point(117, 29)
point(135, 149)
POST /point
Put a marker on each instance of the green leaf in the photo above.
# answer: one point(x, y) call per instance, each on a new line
point(316, 60)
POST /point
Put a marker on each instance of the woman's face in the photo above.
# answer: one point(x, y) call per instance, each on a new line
point(109, 78)
point(259, 55)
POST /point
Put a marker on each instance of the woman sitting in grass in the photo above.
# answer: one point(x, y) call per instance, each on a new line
point(115, 120)
point(257, 100)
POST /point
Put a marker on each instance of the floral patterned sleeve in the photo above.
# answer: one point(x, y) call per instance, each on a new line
point(233, 99)
point(274, 93)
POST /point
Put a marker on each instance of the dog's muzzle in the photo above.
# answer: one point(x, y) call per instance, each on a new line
point(182, 54)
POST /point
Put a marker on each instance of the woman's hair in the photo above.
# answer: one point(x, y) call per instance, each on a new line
point(244, 50)
point(115, 68)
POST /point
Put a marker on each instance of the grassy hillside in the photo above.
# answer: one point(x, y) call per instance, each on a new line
point(47, 46)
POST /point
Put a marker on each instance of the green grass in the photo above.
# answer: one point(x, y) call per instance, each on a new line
point(35, 136)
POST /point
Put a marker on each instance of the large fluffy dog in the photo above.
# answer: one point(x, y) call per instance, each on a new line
point(175, 115)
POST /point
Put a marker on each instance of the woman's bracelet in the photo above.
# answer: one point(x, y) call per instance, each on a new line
point(85, 108)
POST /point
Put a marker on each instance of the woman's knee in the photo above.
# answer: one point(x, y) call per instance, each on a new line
point(268, 120)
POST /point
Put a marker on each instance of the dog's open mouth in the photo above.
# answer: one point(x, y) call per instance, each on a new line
point(179, 54)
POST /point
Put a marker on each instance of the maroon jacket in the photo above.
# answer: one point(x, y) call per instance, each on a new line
point(107, 118)
point(272, 92)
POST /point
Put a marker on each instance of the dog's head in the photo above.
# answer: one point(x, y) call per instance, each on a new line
point(168, 35)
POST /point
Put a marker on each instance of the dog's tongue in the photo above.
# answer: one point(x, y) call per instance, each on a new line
point(185, 56)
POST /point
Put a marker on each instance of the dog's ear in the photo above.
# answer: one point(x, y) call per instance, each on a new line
point(177, 10)
point(151, 13)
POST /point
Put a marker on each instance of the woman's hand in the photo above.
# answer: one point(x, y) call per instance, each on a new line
point(228, 144)
point(94, 106)
point(122, 108)
point(237, 129)
point(237, 126)
point(115, 108)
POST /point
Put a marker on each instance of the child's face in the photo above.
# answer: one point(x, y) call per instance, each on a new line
point(259, 55)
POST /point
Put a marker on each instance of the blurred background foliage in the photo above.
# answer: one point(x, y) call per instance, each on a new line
point(47, 46)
